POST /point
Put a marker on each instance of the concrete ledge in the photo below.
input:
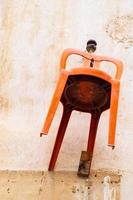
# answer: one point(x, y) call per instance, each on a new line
point(40, 185)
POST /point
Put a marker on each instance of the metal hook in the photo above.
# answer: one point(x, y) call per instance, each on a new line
point(91, 47)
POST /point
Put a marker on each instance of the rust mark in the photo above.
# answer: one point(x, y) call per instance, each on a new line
point(120, 29)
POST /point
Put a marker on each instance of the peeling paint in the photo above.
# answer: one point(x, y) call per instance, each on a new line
point(120, 29)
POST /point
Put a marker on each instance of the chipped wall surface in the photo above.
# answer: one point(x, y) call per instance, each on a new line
point(32, 36)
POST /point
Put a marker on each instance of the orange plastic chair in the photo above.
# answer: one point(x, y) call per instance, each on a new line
point(86, 89)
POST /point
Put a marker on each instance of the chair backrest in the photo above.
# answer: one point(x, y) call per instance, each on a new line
point(92, 57)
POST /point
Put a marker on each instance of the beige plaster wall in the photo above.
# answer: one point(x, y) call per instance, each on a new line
point(33, 34)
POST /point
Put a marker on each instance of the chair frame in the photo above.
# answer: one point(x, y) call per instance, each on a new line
point(85, 69)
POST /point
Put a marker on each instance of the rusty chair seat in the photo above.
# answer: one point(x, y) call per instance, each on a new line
point(86, 94)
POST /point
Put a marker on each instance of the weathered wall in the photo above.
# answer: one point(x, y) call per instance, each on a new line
point(33, 34)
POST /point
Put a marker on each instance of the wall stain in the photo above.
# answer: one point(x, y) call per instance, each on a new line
point(53, 48)
point(26, 100)
point(32, 13)
point(120, 29)
point(5, 49)
point(4, 103)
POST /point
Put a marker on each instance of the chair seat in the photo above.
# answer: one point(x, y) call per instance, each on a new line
point(86, 93)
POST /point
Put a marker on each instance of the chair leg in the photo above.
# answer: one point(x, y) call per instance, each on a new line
point(55, 102)
point(113, 112)
point(60, 135)
point(92, 136)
